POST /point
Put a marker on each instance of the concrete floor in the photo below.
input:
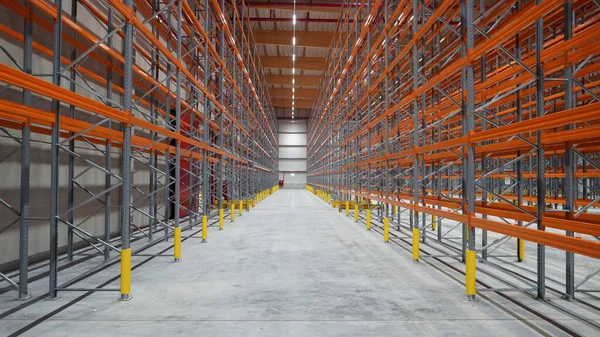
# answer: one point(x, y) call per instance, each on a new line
point(290, 267)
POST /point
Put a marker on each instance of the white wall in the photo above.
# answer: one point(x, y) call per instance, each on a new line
point(292, 165)
point(292, 153)
point(292, 139)
point(298, 180)
point(292, 127)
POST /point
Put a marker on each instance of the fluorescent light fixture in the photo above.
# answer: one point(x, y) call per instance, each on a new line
point(293, 57)
point(292, 174)
point(293, 70)
point(293, 80)
point(294, 41)
point(294, 19)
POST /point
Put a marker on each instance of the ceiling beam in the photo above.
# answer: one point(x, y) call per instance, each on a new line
point(299, 93)
point(302, 63)
point(299, 20)
point(287, 103)
point(301, 80)
point(310, 7)
point(304, 38)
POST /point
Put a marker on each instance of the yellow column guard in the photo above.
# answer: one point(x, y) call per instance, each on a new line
point(521, 249)
point(386, 229)
point(471, 256)
point(221, 218)
point(177, 243)
point(204, 228)
point(125, 274)
point(415, 244)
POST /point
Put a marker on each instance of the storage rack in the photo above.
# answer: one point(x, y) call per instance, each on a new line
point(484, 113)
point(170, 91)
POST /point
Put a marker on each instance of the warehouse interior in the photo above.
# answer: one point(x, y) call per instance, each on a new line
point(300, 168)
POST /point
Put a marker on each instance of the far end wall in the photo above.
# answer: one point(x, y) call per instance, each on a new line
point(292, 153)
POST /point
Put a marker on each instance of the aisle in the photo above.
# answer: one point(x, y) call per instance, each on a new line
point(293, 266)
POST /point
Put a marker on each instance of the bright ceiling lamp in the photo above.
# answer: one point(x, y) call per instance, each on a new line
point(293, 57)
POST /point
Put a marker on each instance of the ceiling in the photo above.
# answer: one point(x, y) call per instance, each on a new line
point(273, 30)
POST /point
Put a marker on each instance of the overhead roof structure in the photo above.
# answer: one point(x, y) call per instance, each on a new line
point(271, 22)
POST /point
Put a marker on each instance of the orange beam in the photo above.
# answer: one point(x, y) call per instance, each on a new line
point(300, 80)
point(287, 103)
point(302, 63)
point(304, 38)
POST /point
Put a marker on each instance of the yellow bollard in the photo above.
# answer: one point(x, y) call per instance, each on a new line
point(329, 198)
point(520, 250)
point(125, 274)
point(221, 218)
point(470, 274)
point(415, 244)
point(204, 228)
point(232, 212)
point(368, 219)
point(177, 243)
point(386, 229)
point(434, 222)
point(347, 208)
point(394, 209)
point(356, 212)
point(241, 207)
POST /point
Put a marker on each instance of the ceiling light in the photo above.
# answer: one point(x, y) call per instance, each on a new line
point(294, 41)
point(294, 19)
point(294, 57)
point(293, 70)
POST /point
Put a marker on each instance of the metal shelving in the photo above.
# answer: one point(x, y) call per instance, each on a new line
point(446, 110)
point(173, 91)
